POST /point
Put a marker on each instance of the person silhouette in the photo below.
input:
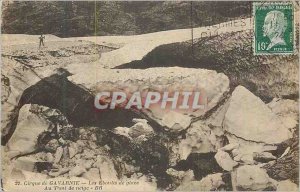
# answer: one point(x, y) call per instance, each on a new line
point(42, 37)
point(274, 27)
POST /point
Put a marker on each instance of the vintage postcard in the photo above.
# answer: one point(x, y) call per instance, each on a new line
point(149, 96)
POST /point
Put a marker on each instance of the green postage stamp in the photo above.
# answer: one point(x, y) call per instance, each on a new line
point(274, 28)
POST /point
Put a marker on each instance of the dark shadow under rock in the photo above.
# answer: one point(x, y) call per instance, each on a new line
point(202, 164)
point(42, 166)
point(75, 103)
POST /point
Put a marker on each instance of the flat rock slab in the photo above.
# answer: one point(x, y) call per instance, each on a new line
point(248, 117)
point(214, 86)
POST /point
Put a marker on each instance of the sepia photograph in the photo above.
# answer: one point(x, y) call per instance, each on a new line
point(149, 96)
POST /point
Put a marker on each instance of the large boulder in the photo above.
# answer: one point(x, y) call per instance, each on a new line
point(251, 178)
point(249, 118)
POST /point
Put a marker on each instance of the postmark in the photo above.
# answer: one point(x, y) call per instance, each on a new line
point(274, 28)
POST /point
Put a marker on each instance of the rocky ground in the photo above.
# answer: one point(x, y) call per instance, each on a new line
point(246, 139)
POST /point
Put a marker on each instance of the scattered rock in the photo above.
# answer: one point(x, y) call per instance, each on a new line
point(17, 174)
point(92, 144)
point(246, 149)
point(88, 154)
point(175, 121)
point(225, 161)
point(61, 141)
point(25, 163)
point(88, 163)
point(249, 118)
point(124, 131)
point(128, 169)
point(52, 145)
point(145, 182)
point(81, 143)
point(180, 176)
point(77, 171)
point(247, 158)
point(106, 167)
point(235, 152)
point(230, 147)
point(77, 156)
point(49, 157)
point(251, 178)
point(32, 176)
point(58, 154)
point(208, 183)
point(215, 121)
point(92, 175)
point(141, 127)
point(199, 139)
point(72, 150)
point(237, 157)
point(65, 152)
point(58, 172)
point(287, 185)
point(287, 110)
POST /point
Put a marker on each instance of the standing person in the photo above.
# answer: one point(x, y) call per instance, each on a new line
point(42, 37)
